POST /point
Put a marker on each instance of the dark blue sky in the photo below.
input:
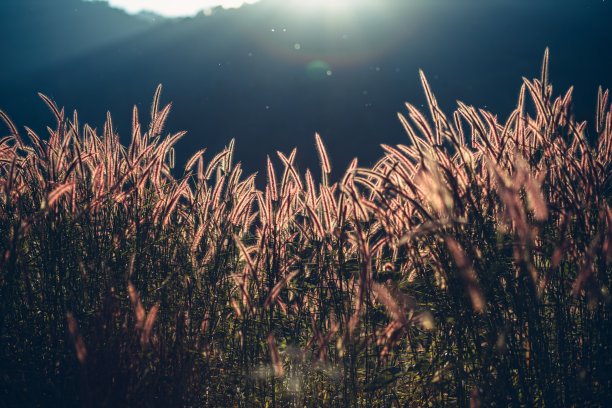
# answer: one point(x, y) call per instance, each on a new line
point(244, 73)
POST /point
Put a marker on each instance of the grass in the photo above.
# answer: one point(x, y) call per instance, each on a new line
point(470, 267)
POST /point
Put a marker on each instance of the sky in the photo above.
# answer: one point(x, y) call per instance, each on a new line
point(174, 8)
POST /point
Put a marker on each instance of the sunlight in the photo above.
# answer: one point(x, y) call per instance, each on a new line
point(176, 8)
point(327, 5)
point(334, 33)
point(335, 7)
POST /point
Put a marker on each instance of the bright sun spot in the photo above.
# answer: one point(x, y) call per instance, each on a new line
point(338, 10)
point(174, 8)
point(331, 5)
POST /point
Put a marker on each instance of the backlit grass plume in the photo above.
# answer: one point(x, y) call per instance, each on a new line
point(469, 266)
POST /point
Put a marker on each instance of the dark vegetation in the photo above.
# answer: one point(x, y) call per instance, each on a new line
point(470, 267)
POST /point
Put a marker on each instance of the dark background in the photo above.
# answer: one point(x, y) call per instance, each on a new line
point(236, 73)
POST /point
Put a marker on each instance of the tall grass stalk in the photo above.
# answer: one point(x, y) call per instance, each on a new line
point(468, 267)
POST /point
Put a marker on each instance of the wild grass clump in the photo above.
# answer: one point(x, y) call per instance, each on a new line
point(471, 267)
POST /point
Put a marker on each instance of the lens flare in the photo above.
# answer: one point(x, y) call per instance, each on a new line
point(318, 69)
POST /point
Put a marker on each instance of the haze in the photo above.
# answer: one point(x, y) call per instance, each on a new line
point(177, 8)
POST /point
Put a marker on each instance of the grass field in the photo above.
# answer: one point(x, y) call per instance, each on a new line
point(469, 267)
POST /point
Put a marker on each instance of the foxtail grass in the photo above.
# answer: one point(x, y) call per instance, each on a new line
point(470, 266)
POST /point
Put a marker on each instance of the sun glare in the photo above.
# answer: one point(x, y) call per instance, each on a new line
point(337, 7)
point(332, 5)
point(175, 8)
